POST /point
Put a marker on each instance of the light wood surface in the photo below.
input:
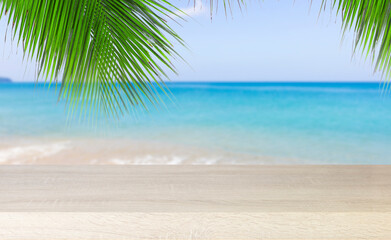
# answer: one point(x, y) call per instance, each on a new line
point(195, 202)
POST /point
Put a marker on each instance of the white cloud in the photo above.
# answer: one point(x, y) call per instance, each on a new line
point(193, 10)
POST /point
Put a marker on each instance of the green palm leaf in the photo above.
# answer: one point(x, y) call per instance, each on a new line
point(371, 21)
point(109, 52)
point(106, 52)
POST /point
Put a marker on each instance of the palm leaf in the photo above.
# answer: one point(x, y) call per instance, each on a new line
point(106, 52)
point(371, 22)
point(109, 52)
point(369, 19)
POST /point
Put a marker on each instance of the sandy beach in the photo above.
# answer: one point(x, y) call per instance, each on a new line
point(195, 202)
point(176, 120)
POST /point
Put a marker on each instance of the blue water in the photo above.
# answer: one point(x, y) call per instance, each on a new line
point(337, 123)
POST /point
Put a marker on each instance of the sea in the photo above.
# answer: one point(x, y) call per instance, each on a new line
point(204, 123)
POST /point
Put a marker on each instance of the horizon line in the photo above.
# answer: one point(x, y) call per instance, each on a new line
point(214, 81)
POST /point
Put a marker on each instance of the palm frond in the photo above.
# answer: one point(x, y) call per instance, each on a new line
point(106, 52)
point(371, 22)
point(109, 52)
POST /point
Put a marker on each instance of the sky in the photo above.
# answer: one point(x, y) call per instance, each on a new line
point(268, 41)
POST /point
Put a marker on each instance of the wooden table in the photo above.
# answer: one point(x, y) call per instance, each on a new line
point(195, 202)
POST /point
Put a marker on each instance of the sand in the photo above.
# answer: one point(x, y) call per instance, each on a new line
point(195, 202)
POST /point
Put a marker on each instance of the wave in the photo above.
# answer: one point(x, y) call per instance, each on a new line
point(163, 160)
point(37, 151)
point(149, 160)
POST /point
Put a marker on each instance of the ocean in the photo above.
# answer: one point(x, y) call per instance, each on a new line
point(205, 123)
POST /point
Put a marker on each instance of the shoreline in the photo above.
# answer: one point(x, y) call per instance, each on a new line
point(123, 151)
point(195, 202)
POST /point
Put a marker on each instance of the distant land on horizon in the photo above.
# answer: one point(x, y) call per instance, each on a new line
point(5, 80)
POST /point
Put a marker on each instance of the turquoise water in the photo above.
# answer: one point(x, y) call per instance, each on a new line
point(337, 123)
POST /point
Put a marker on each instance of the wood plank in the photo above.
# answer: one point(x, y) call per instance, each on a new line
point(198, 202)
point(190, 225)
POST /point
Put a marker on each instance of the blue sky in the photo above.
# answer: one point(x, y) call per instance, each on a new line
point(270, 41)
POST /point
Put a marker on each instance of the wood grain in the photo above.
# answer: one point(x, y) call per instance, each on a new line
point(195, 202)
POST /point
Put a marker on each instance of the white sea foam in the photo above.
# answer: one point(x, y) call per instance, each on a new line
point(164, 160)
point(32, 151)
point(175, 160)
point(149, 160)
point(205, 161)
